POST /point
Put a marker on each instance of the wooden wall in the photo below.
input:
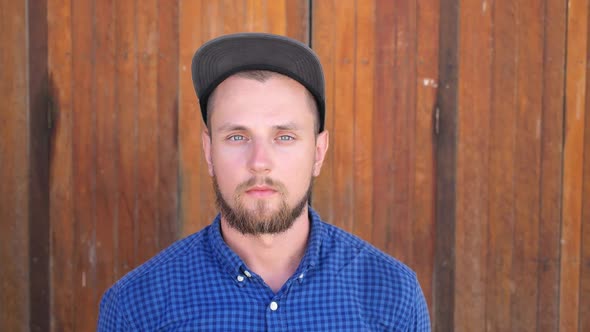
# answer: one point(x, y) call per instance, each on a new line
point(460, 144)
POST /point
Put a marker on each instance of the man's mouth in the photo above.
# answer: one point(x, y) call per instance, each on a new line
point(260, 191)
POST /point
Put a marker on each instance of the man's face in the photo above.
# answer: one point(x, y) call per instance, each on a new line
point(262, 152)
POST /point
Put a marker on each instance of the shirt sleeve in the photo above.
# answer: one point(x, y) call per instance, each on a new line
point(111, 315)
point(421, 318)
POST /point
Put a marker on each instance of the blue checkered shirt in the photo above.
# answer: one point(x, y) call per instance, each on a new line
point(200, 284)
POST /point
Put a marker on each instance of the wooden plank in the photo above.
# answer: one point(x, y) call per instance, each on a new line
point(84, 167)
point(343, 129)
point(106, 176)
point(551, 166)
point(474, 96)
point(38, 167)
point(298, 16)
point(189, 117)
point(147, 130)
point(168, 71)
point(255, 13)
point(61, 211)
point(236, 12)
point(126, 106)
point(383, 123)
point(214, 27)
point(427, 85)
point(401, 133)
point(502, 188)
point(446, 164)
point(577, 46)
point(363, 119)
point(14, 169)
point(584, 307)
point(276, 16)
point(322, 42)
point(527, 165)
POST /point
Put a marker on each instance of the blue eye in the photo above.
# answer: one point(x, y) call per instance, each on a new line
point(285, 138)
point(236, 138)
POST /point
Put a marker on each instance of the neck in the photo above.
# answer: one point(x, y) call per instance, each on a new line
point(274, 257)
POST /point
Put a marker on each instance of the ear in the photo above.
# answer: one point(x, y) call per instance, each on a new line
point(321, 147)
point(206, 138)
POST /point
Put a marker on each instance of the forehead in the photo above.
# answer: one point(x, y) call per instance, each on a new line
point(246, 100)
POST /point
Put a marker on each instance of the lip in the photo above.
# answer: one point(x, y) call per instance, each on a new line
point(261, 191)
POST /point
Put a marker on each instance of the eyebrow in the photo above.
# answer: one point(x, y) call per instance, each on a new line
point(237, 127)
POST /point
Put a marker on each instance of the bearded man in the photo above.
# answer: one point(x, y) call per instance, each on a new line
point(267, 262)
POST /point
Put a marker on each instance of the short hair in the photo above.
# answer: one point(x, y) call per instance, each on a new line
point(263, 76)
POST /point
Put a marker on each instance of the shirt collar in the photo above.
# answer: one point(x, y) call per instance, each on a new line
point(234, 265)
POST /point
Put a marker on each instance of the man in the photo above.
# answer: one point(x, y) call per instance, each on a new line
point(267, 262)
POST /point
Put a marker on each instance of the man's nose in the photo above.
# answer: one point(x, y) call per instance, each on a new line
point(260, 160)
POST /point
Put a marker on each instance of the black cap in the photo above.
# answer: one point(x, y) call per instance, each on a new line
point(224, 56)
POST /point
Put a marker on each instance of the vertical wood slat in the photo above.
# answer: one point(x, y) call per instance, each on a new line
point(383, 123)
point(503, 128)
point(168, 102)
point(584, 306)
point(14, 169)
point(61, 215)
point(84, 150)
point(126, 156)
point(343, 100)
point(106, 140)
point(39, 135)
point(189, 118)
point(527, 164)
point(322, 42)
point(472, 162)
point(146, 223)
point(446, 164)
point(573, 153)
point(363, 119)
point(551, 165)
point(427, 85)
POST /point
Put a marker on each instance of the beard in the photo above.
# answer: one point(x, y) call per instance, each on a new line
point(260, 220)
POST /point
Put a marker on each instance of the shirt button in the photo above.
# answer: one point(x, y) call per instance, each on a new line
point(247, 274)
point(240, 278)
point(274, 306)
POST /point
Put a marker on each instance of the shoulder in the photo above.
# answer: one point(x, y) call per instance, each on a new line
point(387, 290)
point(142, 291)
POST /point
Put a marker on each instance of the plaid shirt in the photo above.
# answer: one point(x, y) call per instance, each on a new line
point(200, 284)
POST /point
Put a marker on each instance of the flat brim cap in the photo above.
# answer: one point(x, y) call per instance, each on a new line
point(224, 56)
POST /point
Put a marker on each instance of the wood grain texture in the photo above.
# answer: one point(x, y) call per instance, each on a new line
point(364, 81)
point(189, 117)
point(474, 96)
point(167, 90)
point(126, 90)
point(527, 164)
point(383, 125)
point(61, 213)
point(584, 307)
point(446, 164)
point(322, 42)
point(38, 182)
point(107, 187)
point(502, 188)
point(343, 128)
point(14, 169)
point(427, 86)
point(84, 170)
point(146, 222)
point(551, 165)
point(575, 109)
